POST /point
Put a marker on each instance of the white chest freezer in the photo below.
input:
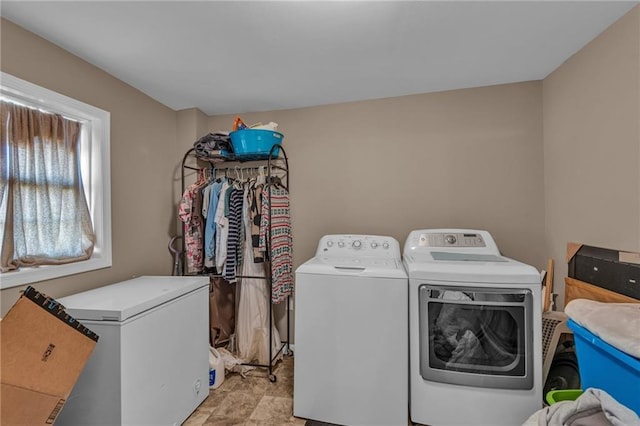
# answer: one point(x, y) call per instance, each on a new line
point(151, 365)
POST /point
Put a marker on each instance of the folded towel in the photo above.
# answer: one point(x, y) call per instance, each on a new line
point(594, 407)
point(618, 324)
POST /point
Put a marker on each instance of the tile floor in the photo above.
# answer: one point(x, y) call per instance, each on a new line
point(251, 400)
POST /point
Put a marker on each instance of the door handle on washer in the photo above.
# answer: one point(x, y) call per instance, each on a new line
point(353, 269)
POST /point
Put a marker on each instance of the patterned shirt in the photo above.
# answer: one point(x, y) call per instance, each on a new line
point(190, 213)
point(277, 213)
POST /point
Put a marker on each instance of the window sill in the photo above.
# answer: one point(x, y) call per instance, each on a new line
point(49, 272)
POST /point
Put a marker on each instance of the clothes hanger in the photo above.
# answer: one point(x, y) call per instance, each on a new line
point(275, 180)
point(237, 183)
point(201, 176)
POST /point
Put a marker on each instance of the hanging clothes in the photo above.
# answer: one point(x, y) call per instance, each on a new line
point(234, 244)
point(275, 212)
point(190, 214)
point(222, 310)
point(255, 217)
point(252, 320)
point(210, 223)
point(222, 228)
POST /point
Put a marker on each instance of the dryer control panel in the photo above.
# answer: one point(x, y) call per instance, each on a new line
point(358, 246)
point(450, 240)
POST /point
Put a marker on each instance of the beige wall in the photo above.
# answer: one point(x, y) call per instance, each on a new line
point(463, 159)
point(591, 114)
point(190, 126)
point(476, 158)
point(143, 149)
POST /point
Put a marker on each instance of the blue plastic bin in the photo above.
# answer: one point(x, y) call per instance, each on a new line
point(605, 367)
point(255, 144)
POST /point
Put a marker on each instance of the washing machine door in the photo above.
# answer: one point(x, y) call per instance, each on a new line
point(476, 336)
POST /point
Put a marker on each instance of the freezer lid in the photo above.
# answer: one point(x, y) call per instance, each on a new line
point(123, 300)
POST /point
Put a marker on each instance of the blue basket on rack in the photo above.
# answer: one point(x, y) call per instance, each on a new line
point(255, 144)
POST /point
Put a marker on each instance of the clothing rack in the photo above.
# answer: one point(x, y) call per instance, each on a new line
point(277, 166)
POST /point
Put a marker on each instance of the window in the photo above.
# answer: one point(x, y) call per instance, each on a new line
point(93, 125)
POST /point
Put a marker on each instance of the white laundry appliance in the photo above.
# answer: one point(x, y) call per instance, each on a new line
point(475, 331)
point(150, 365)
point(351, 333)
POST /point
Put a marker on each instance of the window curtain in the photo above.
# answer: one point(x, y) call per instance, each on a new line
point(44, 217)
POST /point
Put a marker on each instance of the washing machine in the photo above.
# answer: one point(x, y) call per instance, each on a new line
point(351, 333)
point(475, 331)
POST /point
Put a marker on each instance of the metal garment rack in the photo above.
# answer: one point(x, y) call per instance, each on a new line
point(274, 163)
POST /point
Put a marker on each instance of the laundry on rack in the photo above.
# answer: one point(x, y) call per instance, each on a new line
point(233, 238)
point(190, 210)
point(276, 217)
point(222, 307)
point(216, 146)
point(223, 215)
point(221, 222)
point(253, 312)
point(216, 231)
point(210, 225)
point(254, 198)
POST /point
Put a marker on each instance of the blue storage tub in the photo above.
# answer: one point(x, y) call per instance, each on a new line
point(255, 144)
point(605, 367)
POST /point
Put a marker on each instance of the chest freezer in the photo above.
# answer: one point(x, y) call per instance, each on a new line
point(151, 365)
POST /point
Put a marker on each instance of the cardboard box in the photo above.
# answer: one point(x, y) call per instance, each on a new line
point(43, 352)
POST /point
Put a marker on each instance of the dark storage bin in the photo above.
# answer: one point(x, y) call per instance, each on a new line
point(602, 267)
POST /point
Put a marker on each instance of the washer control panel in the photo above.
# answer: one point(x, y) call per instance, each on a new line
point(451, 240)
point(358, 246)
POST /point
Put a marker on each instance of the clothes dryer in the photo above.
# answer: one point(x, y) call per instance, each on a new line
point(351, 333)
point(475, 331)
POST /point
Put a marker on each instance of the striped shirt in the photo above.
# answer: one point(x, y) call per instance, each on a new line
point(233, 239)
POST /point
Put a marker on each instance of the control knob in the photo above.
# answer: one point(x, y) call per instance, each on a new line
point(385, 245)
point(329, 243)
point(340, 243)
point(374, 245)
point(356, 244)
point(450, 239)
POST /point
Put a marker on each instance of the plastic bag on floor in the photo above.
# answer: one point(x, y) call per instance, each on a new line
point(234, 364)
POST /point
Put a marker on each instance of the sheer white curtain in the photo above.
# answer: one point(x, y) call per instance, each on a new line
point(44, 217)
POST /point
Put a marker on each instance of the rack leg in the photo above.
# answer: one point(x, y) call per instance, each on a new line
point(289, 351)
point(272, 377)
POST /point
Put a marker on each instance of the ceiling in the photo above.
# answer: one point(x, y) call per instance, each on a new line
point(240, 56)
